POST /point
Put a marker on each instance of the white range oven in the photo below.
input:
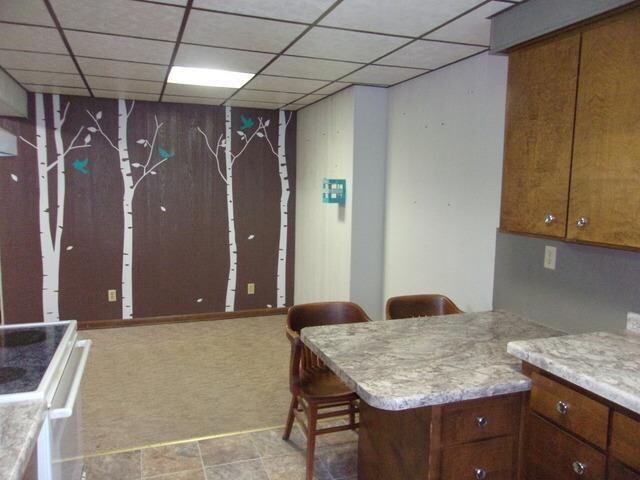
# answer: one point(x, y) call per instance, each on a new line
point(47, 361)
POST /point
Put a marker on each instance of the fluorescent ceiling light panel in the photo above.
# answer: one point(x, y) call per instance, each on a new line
point(208, 77)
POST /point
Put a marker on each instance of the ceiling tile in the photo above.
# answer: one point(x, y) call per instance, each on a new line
point(47, 78)
point(252, 104)
point(209, 57)
point(115, 68)
point(123, 85)
point(474, 27)
point(60, 90)
point(401, 17)
point(197, 91)
point(429, 55)
point(119, 48)
point(221, 30)
point(25, 11)
point(264, 96)
point(310, 68)
point(284, 84)
point(333, 88)
point(123, 17)
point(127, 95)
point(199, 100)
point(300, 10)
point(309, 99)
point(344, 45)
point(35, 39)
point(377, 75)
point(294, 106)
point(41, 61)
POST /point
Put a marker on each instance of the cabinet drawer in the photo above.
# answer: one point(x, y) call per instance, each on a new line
point(551, 454)
point(488, 459)
point(625, 440)
point(480, 419)
point(577, 413)
point(617, 471)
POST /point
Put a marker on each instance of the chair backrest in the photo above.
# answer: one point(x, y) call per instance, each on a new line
point(324, 313)
point(408, 306)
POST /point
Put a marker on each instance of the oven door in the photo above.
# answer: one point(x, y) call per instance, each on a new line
point(63, 427)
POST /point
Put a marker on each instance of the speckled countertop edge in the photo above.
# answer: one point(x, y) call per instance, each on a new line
point(20, 424)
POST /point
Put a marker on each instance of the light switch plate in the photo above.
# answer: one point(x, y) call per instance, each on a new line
point(550, 257)
point(112, 295)
point(251, 288)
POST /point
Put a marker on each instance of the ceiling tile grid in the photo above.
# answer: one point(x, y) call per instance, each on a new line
point(299, 50)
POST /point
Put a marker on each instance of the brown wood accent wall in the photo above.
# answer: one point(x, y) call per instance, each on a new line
point(180, 256)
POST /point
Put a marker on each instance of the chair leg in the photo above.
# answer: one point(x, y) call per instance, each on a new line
point(312, 420)
point(352, 414)
point(290, 418)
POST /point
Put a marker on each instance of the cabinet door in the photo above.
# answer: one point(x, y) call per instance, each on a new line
point(605, 181)
point(541, 99)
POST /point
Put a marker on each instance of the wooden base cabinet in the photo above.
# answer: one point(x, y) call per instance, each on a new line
point(573, 434)
point(475, 440)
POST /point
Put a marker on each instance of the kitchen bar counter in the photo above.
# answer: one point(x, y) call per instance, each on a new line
point(604, 363)
point(20, 424)
point(417, 362)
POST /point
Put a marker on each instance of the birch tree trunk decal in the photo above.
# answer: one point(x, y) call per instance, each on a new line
point(224, 142)
point(50, 242)
point(285, 191)
point(130, 185)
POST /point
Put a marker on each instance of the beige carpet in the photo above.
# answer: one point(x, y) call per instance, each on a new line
point(162, 383)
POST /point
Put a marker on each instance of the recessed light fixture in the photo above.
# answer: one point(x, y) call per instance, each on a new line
point(208, 77)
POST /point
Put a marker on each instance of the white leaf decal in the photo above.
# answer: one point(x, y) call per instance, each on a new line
point(92, 129)
point(162, 208)
point(14, 177)
point(70, 247)
point(269, 305)
point(200, 300)
point(141, 141)
point(136, 165)
point(260, 134)
point(223, 144)
point(241, 133)
point(87, 139)
point(153, 173)
point(99, 115)
point(251, 237)
point(266, 124)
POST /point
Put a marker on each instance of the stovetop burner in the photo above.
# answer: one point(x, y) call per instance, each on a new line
point(10, 374)
point(22, 337)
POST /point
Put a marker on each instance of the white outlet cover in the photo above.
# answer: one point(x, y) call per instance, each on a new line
point(633, 321)
point(550, 257)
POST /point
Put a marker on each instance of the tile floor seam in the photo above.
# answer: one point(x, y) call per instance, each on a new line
point(204, 470)
point(160, 475)
point(264, 468)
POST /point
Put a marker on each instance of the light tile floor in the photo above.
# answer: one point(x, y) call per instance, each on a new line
point(261, 455)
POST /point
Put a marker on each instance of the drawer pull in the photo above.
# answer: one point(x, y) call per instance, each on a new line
point(482, 421)
point(562, 407)
point(549, 218)
point(579, 467)
point(582, 222)
point(481, 473)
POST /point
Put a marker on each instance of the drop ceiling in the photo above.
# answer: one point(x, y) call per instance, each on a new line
point(300, 50)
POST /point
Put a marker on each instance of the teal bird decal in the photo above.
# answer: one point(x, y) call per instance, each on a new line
point(81, 165)
point(164, 154)
point(246, 122)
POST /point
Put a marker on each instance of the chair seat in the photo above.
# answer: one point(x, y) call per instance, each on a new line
point(323, 385)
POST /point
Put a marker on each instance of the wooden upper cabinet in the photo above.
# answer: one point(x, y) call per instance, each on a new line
point(605, 182)
point(540, 116)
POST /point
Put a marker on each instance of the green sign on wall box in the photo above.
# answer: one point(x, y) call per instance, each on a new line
point(334, 190)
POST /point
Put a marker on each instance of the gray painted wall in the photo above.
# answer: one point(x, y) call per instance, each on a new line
point(591, 289)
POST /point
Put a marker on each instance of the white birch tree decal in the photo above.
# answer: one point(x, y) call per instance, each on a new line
point(224, 142)
point(50, 241)
point(285, 191)
point(121, 146)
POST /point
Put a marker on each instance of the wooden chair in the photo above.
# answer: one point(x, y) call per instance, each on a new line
point(408, 306)
point(313, 385)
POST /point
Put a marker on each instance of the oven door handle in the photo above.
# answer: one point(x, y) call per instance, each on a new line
point(67, 410)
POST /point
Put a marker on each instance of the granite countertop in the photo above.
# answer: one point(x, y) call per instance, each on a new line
point(605, 363)
point(20, 424)
point(416, 362)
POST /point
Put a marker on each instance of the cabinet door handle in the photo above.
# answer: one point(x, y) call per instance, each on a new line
point(582, 222)
point(579, 467)
point(549, 218)
point(482, 421)
point(481, 473)
point(562, 407)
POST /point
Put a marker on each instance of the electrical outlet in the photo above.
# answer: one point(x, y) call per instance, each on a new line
point(633, 321)
point(251, 288)
point(550, 257)
point(112, 295)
